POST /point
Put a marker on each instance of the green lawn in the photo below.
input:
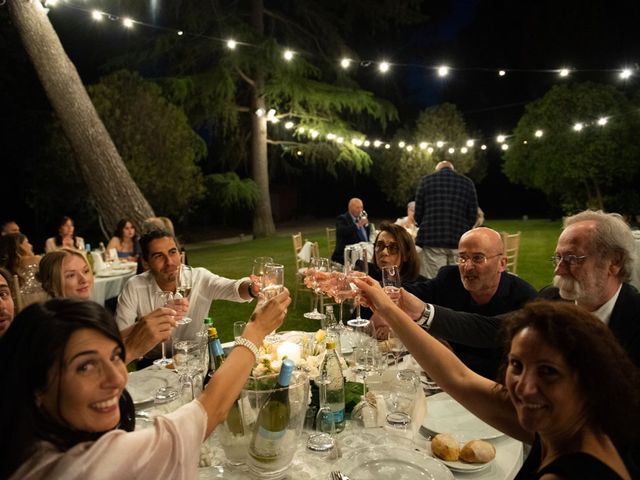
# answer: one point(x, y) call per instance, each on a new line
point(235, 261)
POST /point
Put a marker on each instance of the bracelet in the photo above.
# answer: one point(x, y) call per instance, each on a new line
point(423, 321)
point(243, 342)
point(251, 294)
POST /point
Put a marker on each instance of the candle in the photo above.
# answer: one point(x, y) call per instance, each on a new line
point(292, 351)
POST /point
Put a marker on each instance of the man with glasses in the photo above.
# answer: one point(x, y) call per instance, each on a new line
point(478, 284)
point(593, 261)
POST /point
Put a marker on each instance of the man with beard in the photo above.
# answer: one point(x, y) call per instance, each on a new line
point(594, 259)
point(478, 284)
point(161, 253)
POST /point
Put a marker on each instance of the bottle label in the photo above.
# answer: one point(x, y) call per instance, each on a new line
point(337, 416)
point(217, 348)
point(269, 435)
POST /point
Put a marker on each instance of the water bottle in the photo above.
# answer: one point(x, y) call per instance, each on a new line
point(333, 383)
point(332, 328)
point(273, 419)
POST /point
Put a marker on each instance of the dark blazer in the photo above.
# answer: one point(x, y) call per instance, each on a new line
point(346, 234)
point(446, 289)
point(625, 318)
point(480, 330)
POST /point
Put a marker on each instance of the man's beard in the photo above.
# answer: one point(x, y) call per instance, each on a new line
point(570, 288)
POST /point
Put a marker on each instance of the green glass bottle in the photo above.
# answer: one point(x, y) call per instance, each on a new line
point(273, 419)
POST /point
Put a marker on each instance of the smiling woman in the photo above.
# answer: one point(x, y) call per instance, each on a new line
point(68, 405)
point(66, 273)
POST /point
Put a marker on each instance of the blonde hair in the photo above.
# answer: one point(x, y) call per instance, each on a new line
point(50, 272)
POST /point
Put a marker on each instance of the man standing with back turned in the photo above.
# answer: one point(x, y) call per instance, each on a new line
point(446, 207)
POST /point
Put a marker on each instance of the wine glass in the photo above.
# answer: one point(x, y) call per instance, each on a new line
point(391, 281)
point(184, 283)
point(356, 266)
point(258, 266)
point(163, 299)
point(322, 440)
point(365, 361)
point(401, 400)
point(340, 290)
point(396, 347)
point(272, 280)
point(188, 356)
point(317, 265)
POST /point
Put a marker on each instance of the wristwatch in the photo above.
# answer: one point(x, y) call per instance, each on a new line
point(251, 294)
point(423, 321)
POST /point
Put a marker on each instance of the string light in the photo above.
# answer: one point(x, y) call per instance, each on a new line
point(288, 55)
point(384, 67)
point(288, 125)
point(127, 22)
point(96, 15)
point(564, 72)
point(502, 73)
point(232, 44)
point(539, 133)
point(602, 121)
point(345, 63)
point(443, 71)
point(578, 126)
point(501, 138)
point(180, 33)
point(439, 144)
point(504, 147)
point(625, 73)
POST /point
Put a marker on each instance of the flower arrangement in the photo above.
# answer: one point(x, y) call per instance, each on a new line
point(306, 349)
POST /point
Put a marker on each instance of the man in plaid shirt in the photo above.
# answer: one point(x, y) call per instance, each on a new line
point(446, 207)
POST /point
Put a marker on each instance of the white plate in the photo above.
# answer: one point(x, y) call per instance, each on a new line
point(393, 462)
point(459, 466)
point(445, 415)
point(142, 386)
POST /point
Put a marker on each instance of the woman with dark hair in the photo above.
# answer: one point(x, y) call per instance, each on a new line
point(568, 388)
point(394, 246)
point(16, 254)
point(66, 237)
point(125, 241)
point(68, 414)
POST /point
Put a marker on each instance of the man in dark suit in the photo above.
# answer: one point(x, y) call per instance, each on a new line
point(351, 227)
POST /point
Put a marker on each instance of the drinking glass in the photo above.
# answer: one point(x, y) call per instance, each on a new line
point(272, 280)
point(317, 265)
point(401, 400)
point(187, 356)
point(391, 281)
point(356, 266)
point(184, 283)
point(238, 328)
point(365, 362)
point(396, 347)
point(163, 299)
point(322, 440)
point(258, 266)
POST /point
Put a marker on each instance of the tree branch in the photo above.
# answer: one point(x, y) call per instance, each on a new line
point(246, 78)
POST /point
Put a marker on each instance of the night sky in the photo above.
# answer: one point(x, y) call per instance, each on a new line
point(476, 38)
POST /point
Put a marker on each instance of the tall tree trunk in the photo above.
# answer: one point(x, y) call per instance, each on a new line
point(114, 192)
point(263, 225)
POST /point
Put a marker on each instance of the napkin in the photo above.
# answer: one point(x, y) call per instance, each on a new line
point(98, 262)
point(305, 252)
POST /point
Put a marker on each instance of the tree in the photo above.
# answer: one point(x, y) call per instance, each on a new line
point(235, 90)
point(581, 168)
point(399, 170)
point(114, 192)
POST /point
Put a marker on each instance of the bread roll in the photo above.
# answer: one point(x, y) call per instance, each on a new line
point(478, 451)
point(446, 447)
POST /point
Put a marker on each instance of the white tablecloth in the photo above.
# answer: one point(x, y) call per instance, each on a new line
point(312, 465)
point(108, 287)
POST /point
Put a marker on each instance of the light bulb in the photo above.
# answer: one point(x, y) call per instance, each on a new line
point(232, 44)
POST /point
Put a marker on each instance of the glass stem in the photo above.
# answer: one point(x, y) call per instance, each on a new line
point(164, 355)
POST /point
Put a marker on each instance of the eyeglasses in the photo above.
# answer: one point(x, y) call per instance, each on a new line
point(570, 260)
point(392, 248)
point(476, 258)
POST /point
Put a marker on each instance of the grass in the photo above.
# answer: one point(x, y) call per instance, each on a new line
point(235, 261)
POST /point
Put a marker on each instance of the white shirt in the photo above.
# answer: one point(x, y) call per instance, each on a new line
point(138, 298)
point(169, 450)
point(604, 312)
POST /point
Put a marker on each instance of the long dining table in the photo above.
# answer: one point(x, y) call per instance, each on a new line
point(414, 444)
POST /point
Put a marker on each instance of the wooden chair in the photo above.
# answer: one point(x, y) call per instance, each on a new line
point(511, 242)
point(331, 240)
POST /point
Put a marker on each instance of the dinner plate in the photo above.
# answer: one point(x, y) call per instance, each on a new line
point(394, 462)
point(459, 466)
point(143, 387)
point(445, 415)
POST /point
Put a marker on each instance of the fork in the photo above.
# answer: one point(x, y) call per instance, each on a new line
point(336, 475)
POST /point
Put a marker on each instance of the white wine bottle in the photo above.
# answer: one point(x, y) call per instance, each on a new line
point(331, 372)
point(268, 443)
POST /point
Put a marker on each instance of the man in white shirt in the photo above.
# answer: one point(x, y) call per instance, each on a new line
point(139, 298)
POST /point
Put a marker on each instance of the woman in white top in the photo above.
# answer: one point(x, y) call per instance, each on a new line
point(69, 416)
point(65, 237)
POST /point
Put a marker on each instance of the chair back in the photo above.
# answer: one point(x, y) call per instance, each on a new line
point(331, 240)
point(15, 293)
point(297, 246)
point(511, 242)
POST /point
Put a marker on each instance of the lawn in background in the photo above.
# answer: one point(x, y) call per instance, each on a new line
point(235, 261)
